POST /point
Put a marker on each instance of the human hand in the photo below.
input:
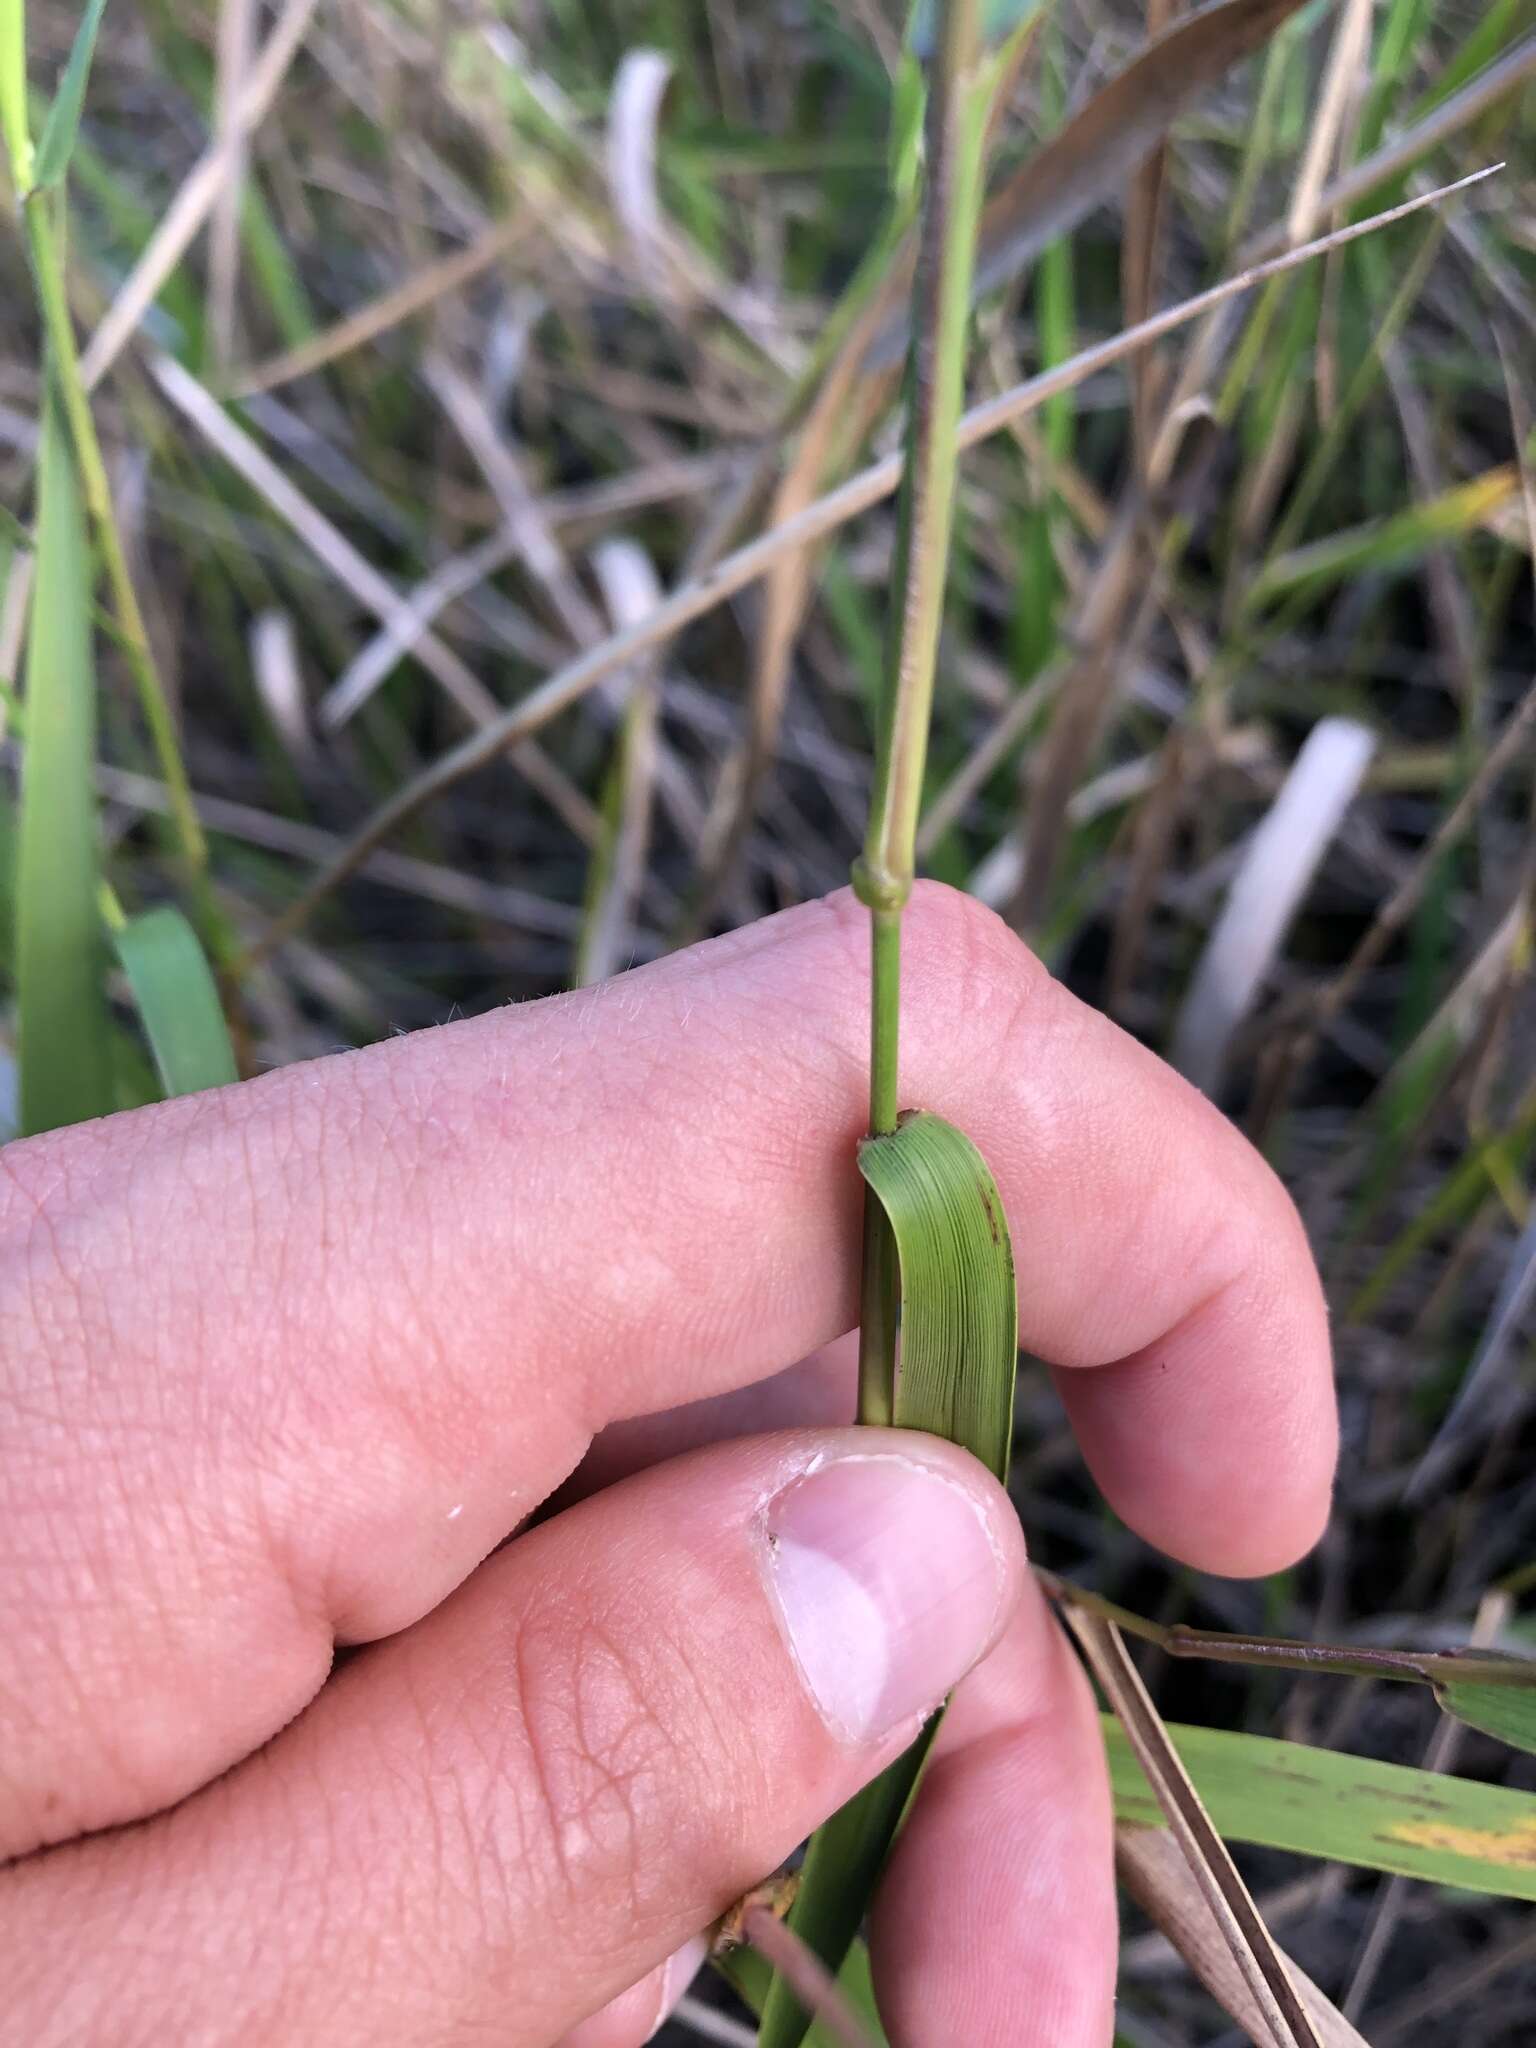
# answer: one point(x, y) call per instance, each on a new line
point(281, 1367)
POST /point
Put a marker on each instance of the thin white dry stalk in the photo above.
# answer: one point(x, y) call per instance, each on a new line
point(710, 2025)
point(1264, 1970)
point(236, 41)
point(1402, 152)
point(198, 195)
point(1274, 876)
point(949, 806)
point(411, 620)
point(634, 117)
point(279, 679)
point(432, 282)
point(357, 574)
point(734, 572)
point(1341, 78)
point(541, 552)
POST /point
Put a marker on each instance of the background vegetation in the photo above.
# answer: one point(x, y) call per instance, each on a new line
point(502, 322)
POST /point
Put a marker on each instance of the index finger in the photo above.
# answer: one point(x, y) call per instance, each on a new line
point(284, 1362)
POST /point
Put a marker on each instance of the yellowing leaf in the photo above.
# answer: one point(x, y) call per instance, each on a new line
point(1347, 1809)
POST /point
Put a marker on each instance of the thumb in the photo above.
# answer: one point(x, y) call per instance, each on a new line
point(529, 1801)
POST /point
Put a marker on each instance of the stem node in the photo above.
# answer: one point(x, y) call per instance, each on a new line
point(878, 887)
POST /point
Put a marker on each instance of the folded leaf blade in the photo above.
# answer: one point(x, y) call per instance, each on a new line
point(959, 1309)
point(959, 1355)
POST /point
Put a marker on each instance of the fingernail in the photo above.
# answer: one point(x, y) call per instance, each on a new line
point(889, 1579)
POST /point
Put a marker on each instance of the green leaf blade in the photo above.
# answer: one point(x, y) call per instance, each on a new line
point(62, 1006)
point(13, 91)
point(959, 1356)
point(1505, 1711)
point(177, 1000)
point(1345, 1809)
point(959, 1307)
point(63, 123)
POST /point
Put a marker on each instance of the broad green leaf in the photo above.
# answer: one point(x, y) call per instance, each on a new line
point(62, 1006)
point(1347, 1809)
point(959, 1310)
point(1507, 1711)
point(959, 1354)
point(178, 1001)
point(63, 122)
point(13, 91)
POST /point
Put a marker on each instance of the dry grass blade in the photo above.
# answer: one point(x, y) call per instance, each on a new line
point(734, 572)
point(948, 807)
point(411, 619)
point(810, 1979)
point(1141, 251)
point(1180, 761)
point(845, 410)
point(1260, 1963)
point(1266, 892)
point(198, 195)
point(429, 284)
point(1351, 40)
point(540, 551)
point(358, 575)
point(275, 667)
point(1115, 618)
point(1403, 151)
point(1155, 1873)
point(1097, 151)
point(236, 41)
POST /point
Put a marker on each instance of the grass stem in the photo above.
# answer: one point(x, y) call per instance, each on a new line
point(48, 271)
point(882, 877)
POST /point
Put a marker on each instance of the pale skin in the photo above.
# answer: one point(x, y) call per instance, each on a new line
point(281, 1368)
